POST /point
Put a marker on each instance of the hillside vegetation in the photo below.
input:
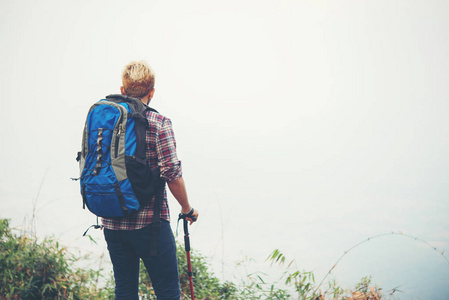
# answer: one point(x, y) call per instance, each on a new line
point(33, 269)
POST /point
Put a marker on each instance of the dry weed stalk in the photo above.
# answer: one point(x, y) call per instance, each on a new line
point(362, 296)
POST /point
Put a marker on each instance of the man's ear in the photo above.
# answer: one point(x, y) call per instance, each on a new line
point(122, 90)
point(152, 93)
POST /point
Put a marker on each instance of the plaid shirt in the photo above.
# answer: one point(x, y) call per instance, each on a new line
point(161, 152)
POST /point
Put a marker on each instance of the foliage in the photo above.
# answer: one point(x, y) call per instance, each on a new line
point(364, 290)
point(33, 269)
point(42, 270)
point(296, 284)
point(206, 285)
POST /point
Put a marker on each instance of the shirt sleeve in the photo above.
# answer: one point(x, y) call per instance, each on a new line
point(168, 162)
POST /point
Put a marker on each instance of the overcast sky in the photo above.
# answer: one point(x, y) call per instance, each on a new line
point(321, 123)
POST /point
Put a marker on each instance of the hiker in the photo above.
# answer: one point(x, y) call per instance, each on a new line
point(129, 239)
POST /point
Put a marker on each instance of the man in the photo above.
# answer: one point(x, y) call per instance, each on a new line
point(129, 239)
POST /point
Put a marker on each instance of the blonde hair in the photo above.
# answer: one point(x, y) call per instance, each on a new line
point(138, 79)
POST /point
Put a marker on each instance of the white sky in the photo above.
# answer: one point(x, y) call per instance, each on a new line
point(319, 122)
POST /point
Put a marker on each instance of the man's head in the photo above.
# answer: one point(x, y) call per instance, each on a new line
point(138, 80)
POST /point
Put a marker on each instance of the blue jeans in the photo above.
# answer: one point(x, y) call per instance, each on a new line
point(126, 248)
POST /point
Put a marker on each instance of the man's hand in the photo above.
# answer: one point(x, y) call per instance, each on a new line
point(191, 215)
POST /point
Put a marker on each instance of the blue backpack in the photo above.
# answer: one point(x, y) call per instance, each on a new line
point(115, 175)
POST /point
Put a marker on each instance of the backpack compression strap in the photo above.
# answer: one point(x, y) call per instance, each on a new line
point(155, 226)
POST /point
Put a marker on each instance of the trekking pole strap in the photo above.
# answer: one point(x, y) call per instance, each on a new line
point(188, 215)
point(184, 217)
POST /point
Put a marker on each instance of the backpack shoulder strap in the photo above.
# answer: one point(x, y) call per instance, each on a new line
point(137, 106)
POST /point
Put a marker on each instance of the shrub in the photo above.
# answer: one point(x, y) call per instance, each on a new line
point(33, 269)
point(42, 270)
point(206, 285)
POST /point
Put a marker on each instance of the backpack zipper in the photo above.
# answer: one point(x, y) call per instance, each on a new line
point(120, 129)
point(117, 139)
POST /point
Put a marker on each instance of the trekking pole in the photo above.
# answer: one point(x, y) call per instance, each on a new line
point(187, 248)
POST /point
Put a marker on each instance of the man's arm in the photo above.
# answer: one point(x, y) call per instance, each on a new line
point(178, 189)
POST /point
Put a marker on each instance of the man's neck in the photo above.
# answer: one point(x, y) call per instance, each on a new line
point(146, 100)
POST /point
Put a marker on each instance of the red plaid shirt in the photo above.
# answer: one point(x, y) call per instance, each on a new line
point(161, 152)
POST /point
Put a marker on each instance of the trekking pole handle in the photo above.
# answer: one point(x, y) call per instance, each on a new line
point(186, 231)
point(188, 215)
point(186, 236)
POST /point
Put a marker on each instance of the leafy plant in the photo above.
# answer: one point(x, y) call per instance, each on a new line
point(206, 285)
point(42, 270)
point(33, 269)
point(302, 282)
point(364, 290)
